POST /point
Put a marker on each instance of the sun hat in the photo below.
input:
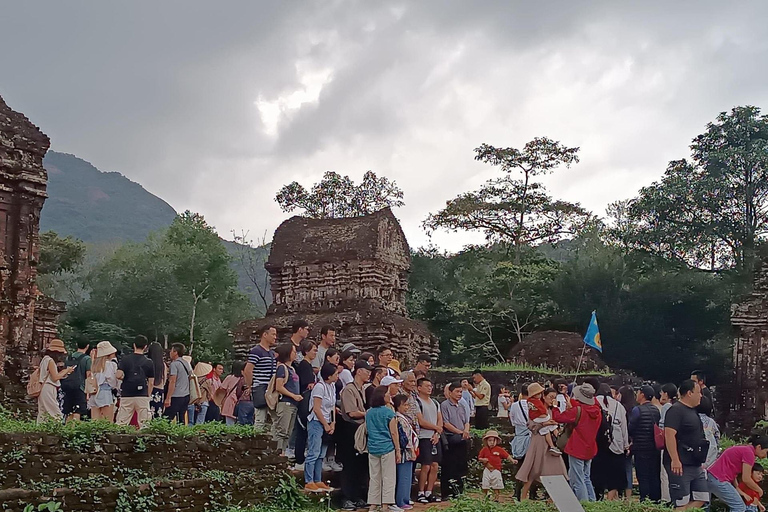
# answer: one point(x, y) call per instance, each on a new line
point(105, 348)
point(395, 365)
point(491, 433)
point(188, 359)
point(584, 394)
point(389, 380)
point(350, 347)
point(202, 369)
point(535, 388)
point(57, 345)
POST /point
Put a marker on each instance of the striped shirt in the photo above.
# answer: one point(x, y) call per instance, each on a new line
point(264, 365)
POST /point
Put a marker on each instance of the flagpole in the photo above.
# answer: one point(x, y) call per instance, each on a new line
point(578, 367)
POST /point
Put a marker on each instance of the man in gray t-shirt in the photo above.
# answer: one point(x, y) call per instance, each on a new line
point(177, 400)
point(327, 339)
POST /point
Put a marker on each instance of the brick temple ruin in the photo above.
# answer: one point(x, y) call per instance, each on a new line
point(350, 273)
point(22, 194)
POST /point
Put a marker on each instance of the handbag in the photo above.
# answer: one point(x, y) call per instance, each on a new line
point(259, 396)
point(658, 436)
point(562, 440)
point(91, 385)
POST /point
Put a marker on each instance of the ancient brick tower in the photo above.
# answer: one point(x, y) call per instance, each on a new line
point(351, 273)
point(22, 193)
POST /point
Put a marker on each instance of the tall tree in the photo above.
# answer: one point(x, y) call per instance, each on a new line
point(709, 212)
point(516, 211)
point(336, 196)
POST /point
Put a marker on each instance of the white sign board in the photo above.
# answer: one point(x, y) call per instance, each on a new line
point(558, 489)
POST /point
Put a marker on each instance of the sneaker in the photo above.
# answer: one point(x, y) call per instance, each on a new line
point(323, 487)
point(555, 451)
point(434, 498)
point(348, 505)
point(311, 487)
point(394, 508)
point(291, 454)
point(299, 467)
point(406, 506)
point(327, 467)
point(423, 499)
point(336, 467)
point(361, 503)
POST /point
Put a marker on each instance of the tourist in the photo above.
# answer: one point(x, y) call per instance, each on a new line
point(369, 358)
point(331, 356)
point(503, 403)
point(198, 412)
point(354, 473)
point(394, 366)
point(642, 422)
point(736, 461)
point(393, 386)
point(157, 397)
point(348, 358)
point(430, 448)
point(307, 380)
point(258, 371)
point(179, 372)
point(491, 456)
point(321, 421)
point(299, 332)
point(668, 397)
point(561, 385)
point(379, 372)
point(700, 378)
point(232, 389)
point(627, 399)
point(539, 412)
point(456, 428)
point(608, 472)
point(751, 496)
point(519, 417)
point(327, 340)
point(385, 357)
point(686, 450)
point(656, 401)
point(409, 389)
point(213, 380)
point(407, 449)
point(423, 364)
point(135, 370)
point(287, 385)
point(481, 395)
point(711, 430)
point(383, 451)
point(48, 407)
point(581, 448)
point(467, 396)
point(73, 385)
point(104, 370)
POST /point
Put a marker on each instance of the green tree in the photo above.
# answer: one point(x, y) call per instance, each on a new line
point(59, 255)
point(337, 196)
point(516, 211)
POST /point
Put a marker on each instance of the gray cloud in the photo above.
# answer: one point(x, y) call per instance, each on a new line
point(214, 106)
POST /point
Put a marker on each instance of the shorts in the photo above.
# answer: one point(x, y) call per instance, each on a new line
point(691, 485)
point(74, 402)
point(492, 480)
point(425, 452)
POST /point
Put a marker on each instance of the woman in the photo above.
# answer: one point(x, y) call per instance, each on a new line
point(104, 370)
point(378, 373)
point(347, 365)
point(368, 357)
point(156, 353)
point(199, 410)
point(409, 444)
point(736, 462)
point(608, 471)
point(307, 380)
point(504, 402)
point(287, 385)
point(539, 460)
point(48, 400)
point(322, 421)
point(383, 451)
point(232, 389)
point(628, 401)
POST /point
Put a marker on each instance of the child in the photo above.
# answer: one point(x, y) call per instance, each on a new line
point(751, 498)
point(491, 455)
point(540, 413)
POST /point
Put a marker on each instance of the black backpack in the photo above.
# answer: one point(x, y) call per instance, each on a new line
point(605, 431)
point(135, 379)
point(74, 381)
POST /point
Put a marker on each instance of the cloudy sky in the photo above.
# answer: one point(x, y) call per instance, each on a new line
point(214, 105)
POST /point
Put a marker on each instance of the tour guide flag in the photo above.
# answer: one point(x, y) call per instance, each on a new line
point(592, 338)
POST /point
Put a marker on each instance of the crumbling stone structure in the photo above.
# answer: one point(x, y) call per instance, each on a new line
point(351, 273)
point(559, 350)
point(22, 193)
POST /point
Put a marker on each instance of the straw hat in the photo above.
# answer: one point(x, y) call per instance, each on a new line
point(188, 359)
point(491, 433)
point(535, 388)
point(57, 345)
point(105, 348)
point(395, 365)
point(202, 369)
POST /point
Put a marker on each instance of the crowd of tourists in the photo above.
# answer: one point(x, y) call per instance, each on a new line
point(360, 414)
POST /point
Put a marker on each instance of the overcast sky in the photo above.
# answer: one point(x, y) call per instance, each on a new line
point(213, 106)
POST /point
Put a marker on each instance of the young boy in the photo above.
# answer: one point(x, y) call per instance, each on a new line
point(751, 498)
point(491, 455)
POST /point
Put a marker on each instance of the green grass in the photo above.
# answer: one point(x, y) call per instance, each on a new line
point(522, 367)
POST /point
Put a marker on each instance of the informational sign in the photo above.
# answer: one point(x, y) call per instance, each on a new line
point(558, 489)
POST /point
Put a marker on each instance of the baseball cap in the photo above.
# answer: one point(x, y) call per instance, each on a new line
point(350, 347)
point(363, 365)
point(388, 380)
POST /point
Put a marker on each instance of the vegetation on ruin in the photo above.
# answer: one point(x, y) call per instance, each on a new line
point(521, 367)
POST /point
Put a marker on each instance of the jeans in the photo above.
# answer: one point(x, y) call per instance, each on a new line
point(313, 464)
point(580, 476)
point(199, 418)
point(648, 469)
point(727, 494)
point(628, 469)
point(230, 421)
point(404, 483)
point(244, 411)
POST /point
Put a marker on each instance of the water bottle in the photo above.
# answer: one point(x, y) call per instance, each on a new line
point(434, 449)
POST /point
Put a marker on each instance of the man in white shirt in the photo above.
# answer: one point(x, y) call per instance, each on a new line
point(327, 339)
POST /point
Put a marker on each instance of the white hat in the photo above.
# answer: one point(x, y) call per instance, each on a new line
point(105, 348)
point(388, 380)
point(202, 369)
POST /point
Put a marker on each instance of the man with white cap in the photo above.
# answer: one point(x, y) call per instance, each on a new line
point(392, 384)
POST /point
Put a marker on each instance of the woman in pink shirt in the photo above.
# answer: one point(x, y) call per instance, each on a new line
point(735, 461)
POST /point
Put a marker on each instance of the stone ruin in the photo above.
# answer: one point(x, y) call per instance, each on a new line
point(351, 273)
point(558, 350)
point(22, 194)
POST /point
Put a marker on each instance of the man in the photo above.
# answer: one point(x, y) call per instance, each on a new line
point(700, 378)
point(409, 386)
point(177, 399)
point(354, 473)
point(258, 371)
point(481, 394)
point(423, 365)
point(299, 332)
point(327, 340)
point(135, 370)
point(643, 420)
point(392, 384)
point(467, 396)
point(561, 385)
point(456, 427)
point(519, 417)
point(686, 450)
point(738, 462)
point(385, 357)
point(430, 449)
point(585, 414)
point(73, 386)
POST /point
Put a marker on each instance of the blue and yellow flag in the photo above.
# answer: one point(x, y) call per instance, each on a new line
point(592, 338)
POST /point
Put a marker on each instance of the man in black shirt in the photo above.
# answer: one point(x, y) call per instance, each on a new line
point(135, 370)
point(700, 378)
point(686, 450)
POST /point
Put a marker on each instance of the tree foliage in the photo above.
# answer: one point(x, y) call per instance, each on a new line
point(59, 255)
point(336, 196)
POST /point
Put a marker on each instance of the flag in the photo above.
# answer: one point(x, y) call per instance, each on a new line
point(592, 338)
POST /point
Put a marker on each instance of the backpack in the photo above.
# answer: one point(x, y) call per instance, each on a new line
point(271, 395)
point(605, 431)
point(361, 438)
point(195, 394)
point(74, 381)
point(563, 438)
point(134, 380)
point(34, 386)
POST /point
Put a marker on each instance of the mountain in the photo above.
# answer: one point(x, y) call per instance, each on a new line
point(104, 208)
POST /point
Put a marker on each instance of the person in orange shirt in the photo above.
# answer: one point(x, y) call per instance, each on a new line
point(491, 456)
point(752, 497)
